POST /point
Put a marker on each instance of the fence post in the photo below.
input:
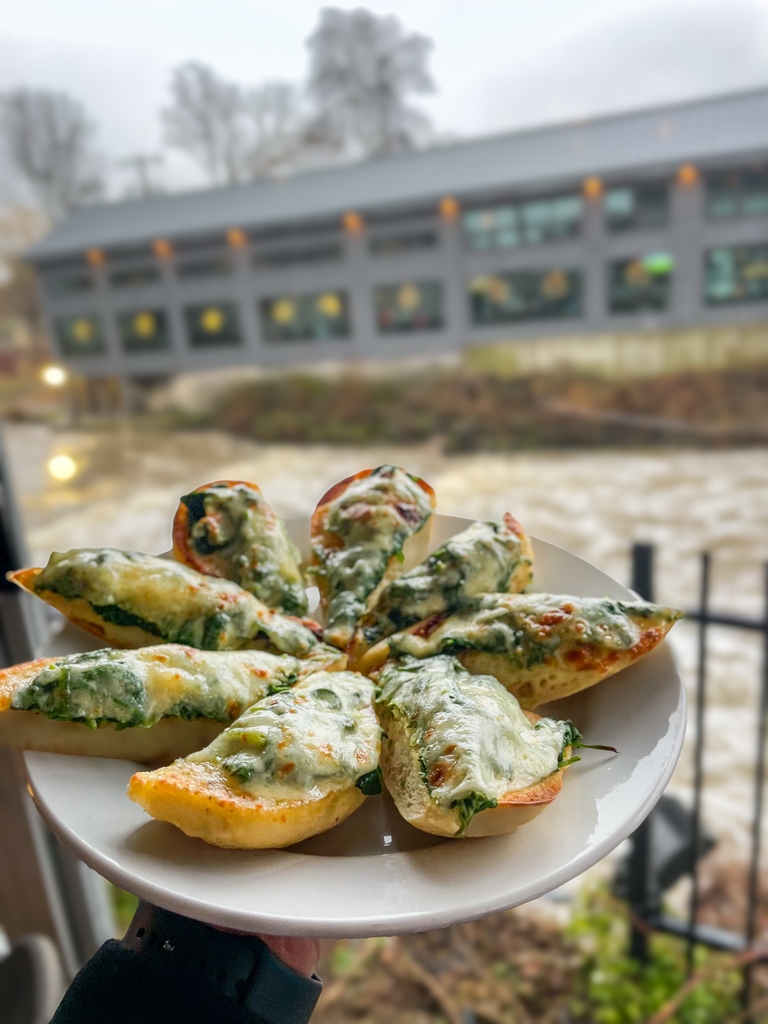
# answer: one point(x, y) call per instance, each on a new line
point(640, 897)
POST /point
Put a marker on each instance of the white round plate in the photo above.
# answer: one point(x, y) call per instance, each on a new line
point(375, 874)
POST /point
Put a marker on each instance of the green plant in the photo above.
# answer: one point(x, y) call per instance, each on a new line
point(619, 990)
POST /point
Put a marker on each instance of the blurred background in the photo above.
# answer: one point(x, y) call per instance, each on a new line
point(520, 249)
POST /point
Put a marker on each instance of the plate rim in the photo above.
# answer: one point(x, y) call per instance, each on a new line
point(344, 926)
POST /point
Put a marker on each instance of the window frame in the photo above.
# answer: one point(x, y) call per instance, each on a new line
point(421, 285)
point(266, 303)
point(575, 275)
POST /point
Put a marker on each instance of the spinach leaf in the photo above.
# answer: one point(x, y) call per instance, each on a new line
point(371, 783)
point(240, 767)
point(122, 617)
point(573, 738)
point(469, 806)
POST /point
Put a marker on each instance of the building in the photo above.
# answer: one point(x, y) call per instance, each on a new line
point(656, 218)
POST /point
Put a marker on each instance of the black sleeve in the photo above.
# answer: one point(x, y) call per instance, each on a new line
point(172, 970)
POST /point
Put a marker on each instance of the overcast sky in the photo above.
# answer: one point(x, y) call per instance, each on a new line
point(498, 64)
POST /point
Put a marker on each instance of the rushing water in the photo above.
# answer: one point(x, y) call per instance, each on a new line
point(592, 503)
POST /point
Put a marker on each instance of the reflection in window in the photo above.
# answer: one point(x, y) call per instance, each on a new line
point(635, 207)
point(80, 335)
point(205, 266)
point(736, 274)
point(70, 284)
point(288, 257)
point(738, 193)
point(132, 277)
point(212, 324)
point(640, 285)
point(412, 242)
point(409, 307)
point(524, 223)
point(525, 295)
point(145, 330)
point(319, 317)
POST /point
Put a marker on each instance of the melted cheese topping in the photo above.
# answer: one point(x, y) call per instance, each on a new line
point(137, 688)
point(169, 600)
point(531, 628)
point(481, 559)
point(373, 518)
point(235, 529)
point(473, 738)
point(320, 736)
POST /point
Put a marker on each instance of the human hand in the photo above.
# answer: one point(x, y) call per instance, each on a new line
point(299, 954)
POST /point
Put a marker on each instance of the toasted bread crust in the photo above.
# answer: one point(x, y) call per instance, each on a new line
point(182, 549)
point(158, 744)
point(519, 580)
point(162, 742)
point(415, 549)
point(402, 777)
point(202, 801)
point(80, 613)
point(538, 684)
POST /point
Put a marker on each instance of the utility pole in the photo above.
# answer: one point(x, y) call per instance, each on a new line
point(140, 164)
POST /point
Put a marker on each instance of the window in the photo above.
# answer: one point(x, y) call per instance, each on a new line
point(205, 266)
point(146, 330)
point(640, 285)
point(80, 335)
point(527, 222)
point(417, 306)
point(635, 207)
point(395, 244)
point(741, 193)
point(319, 317)
point(525, 295)
point(70, 284)
point(131, 277)
point(212, 324)
point(736, 274)
point(288, 257)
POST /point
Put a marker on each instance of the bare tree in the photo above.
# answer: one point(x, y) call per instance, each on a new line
point(277, 129)
point(363, 69)
point(47, 141)
point(206, 121)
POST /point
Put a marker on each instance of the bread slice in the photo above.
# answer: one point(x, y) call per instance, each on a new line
point(487, 557)
point(541, 647)
point(151, 705)
point(130, 599)
point(202, 801)
point(295, 764)
point(407, 765)
point(364, 531)
point(227, 528)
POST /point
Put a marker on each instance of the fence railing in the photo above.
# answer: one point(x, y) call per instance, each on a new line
point(643, 890)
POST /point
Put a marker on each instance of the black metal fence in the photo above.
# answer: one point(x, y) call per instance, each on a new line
point(645, 882)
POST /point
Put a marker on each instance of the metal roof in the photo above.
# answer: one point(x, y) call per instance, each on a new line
point(706, 129)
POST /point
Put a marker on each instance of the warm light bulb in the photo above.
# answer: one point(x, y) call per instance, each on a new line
point(54, 376)
point(62, 467)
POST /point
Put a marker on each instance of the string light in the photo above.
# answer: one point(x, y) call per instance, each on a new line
point(237, 238)
point(353, 223)
point(54, 376)
point(593, 187)
point(62, 467)
point(449, 208)
point(162, 249)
